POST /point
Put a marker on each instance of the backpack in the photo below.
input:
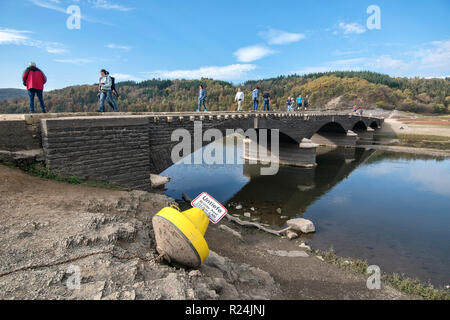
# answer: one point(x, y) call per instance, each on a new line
point(113, 86)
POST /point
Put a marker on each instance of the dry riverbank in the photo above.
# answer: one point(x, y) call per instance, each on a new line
point(48, 226)
point(412, 133)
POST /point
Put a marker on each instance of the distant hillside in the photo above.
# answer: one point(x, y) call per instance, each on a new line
point(332, 90)
point(11, 94)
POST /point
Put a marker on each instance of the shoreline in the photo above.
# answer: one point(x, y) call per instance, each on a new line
point(412, 150)
point(236, 269)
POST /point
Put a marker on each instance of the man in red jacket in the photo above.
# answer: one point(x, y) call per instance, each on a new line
point(34, 79)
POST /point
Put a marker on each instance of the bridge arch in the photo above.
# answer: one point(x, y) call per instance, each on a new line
point(359, 126)
point(331, 127)
point(374, 125)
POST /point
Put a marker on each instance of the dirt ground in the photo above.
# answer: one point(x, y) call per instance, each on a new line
point(402, 123)
point(49, 228)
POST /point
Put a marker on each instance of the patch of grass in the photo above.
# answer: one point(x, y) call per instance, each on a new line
point(402, 283)
point(355, 265)
point(424, 141)
point(74, 180)
point(39, 170)
point(417, 140)
point(101, 184)
point(415, 287)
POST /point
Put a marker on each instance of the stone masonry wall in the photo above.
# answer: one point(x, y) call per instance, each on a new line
point(112, 149)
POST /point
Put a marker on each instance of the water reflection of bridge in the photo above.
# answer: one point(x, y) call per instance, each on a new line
point(294, 188)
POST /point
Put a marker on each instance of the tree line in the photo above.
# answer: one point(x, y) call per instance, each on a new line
point(329, 90)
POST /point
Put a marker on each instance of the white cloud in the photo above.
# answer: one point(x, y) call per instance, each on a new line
point(355, 64)
point(22, 38)
point(252, 53)
point(308, 70)
point(55, 49)
point(104, 4)
point(436, 56)
point(79, 61)
point(386, 62)
point(350, 28)
point(48, 5)
point(126, 77)
point(276, 37)
point(230, 72)
point(11, 36)
point(346, 52)
point(118, 47)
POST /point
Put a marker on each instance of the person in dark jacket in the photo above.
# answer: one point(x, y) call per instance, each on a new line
point(306, 103)
point(34, 79)
point(266, 97)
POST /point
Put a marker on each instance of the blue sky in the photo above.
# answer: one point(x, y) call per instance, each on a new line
point(227, 40)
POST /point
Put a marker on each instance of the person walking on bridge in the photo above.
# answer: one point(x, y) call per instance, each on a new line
point(289, 103)
point(34, 79)
point(299, 103)
point(106, 91)
point(255, 98)
point(239, 98)
point(113, 89)
point(266, 97)
point(201, 98)
point(306, 102)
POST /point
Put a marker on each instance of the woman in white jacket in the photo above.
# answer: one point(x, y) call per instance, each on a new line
point(239, 98)
point(105, 85)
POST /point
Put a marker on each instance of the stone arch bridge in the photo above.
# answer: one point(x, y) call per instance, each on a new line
point(124, 149)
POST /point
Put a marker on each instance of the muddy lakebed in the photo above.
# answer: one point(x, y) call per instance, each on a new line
point(391, 209)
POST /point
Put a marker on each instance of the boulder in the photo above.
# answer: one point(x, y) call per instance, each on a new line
point(158, 181)
point(303, 225)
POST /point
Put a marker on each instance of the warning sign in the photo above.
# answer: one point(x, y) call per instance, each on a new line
point(213, 209)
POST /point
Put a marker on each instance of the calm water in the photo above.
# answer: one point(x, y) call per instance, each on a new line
point(389, 208)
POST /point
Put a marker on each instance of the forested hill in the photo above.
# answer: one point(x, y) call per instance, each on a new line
point(11, 94)
point(326, 91)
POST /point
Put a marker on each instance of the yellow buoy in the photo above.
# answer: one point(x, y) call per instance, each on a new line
point(180, 235)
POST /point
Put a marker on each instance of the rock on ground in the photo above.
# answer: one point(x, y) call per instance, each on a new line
point(290, 254)
point(300, 224)
point(291, 235)
point(158, 181)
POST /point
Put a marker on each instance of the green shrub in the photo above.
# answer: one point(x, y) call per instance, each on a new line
point(439, 108)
